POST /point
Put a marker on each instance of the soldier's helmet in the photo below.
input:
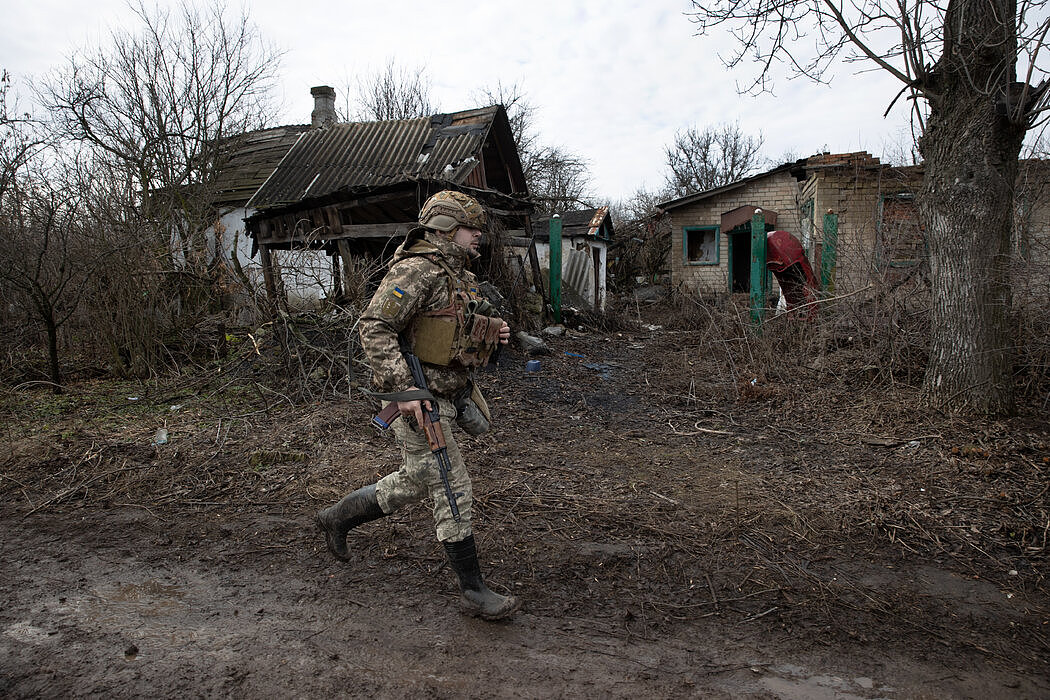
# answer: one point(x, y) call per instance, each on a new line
point(448, 209)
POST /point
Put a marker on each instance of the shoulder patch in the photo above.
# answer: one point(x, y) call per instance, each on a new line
point(391, 306)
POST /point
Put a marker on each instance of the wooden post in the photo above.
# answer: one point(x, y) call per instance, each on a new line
point(343, 256)
point(337, 278)
point(759, 274)
point(555, 266)
point(537, 272)
point(829, 252)
point(268, 282)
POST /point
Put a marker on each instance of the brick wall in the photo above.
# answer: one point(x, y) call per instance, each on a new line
point(1030, 256)
point(778, 192)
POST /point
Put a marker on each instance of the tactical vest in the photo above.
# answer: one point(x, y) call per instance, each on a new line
point(460, 334)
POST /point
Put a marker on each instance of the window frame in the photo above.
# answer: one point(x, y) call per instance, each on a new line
point(686, 230)
point(884, 261)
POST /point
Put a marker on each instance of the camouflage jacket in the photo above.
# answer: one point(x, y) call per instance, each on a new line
point(414, 285)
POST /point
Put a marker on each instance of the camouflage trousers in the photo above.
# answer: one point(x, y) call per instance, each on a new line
point(419, 477)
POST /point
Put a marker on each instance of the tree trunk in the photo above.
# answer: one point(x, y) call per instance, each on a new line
point(52, 354)
point(970, 148)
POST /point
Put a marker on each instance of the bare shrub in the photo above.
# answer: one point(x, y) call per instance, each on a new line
point(303, 357)
point(864, 341)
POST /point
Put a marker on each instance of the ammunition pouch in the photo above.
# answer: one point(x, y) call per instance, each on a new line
point(462, 334)
point(472, 411)
point(451, 337)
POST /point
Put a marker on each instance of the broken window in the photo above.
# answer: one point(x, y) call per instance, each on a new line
point(808, 228)
point(901, 241)
point(901, 245)
point(700, 245)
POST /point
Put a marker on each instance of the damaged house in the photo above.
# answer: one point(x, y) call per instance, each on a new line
point(586, 235)
point(872, 230)
point(855, 218)
point(348, 190)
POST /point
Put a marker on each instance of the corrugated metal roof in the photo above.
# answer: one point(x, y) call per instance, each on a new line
point(582, 222)
point(369, 154)
point(252, 157)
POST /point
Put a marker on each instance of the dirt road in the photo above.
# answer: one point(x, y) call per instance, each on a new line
point(119, 604)
point(670, 539)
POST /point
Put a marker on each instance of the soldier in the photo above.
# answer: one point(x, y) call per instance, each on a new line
point(430, 298)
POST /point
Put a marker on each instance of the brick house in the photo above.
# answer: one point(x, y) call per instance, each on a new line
point(877, 227)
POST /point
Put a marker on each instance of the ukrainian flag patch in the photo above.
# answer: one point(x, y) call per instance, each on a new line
point(398, 292)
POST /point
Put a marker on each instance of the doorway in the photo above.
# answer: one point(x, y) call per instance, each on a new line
point(740, 260)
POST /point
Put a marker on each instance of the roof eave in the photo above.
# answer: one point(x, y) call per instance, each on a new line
point(706, 194)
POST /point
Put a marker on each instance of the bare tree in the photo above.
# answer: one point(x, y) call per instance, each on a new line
point(700, 160)
point(392, 93)
point(522, 117)
point(45, 256)
point(20, 139)
point(558, 180)
point(643, 237)
point(162, 102)
point(71, 234)
point(31, 227)
point(958, 62)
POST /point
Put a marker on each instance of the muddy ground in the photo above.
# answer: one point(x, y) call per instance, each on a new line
point(676, 525)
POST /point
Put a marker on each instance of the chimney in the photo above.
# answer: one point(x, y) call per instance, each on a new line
point(324, 106)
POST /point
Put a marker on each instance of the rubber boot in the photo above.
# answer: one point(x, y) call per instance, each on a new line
point(476, 597)
point(354, 509)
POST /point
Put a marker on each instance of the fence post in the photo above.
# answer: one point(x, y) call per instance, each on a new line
point(268, 281)
point(555, 266)
point(759, 288)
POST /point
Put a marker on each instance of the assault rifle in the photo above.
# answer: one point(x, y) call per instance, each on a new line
point(431, 424)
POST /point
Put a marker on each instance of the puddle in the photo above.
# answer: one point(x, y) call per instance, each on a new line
point(149, 589)
point(149, 598)
point(796, 683)
point(28, 633)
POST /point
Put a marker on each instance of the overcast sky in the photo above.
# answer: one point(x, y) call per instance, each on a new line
point(611, 80)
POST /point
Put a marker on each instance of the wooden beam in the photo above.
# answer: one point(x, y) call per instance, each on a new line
point(375, 230)
point(344, 258)
point(268, 281)
point(289, 234)
point(537, 273)
point(337, 277)
point(333, 219)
